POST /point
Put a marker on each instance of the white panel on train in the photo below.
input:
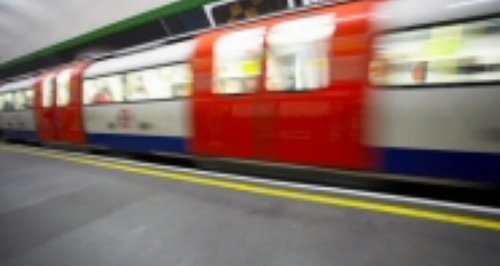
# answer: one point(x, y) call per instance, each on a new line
point(18, 116)
point(1, 109)
point(20, 84)
point(434, 111)
point(458, 119)
point(178, 52)
point(408, 13)
point(151, 118)
point(137, 102)
point(439, 80)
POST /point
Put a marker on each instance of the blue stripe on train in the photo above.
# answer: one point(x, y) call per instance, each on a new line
point(469, 166)
point(140, 143)
point(20, 134)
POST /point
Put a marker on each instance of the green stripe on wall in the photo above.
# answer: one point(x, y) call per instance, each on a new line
point(148, 16)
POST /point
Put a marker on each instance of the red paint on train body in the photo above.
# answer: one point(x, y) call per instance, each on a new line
point(69, 117)
point(44, 112)
point(59, 109)
point(320, 127)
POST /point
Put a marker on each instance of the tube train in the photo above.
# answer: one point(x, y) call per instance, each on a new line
point(401, 88)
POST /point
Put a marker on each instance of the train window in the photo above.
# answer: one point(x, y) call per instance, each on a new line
point(300, 64)
point(47, 91)
point(63, 88)
point(19, 100)
point(104, 90)
point(182, 80)
point(238, 61)
point(3, 102)
point(8, 103)
point(88, 91)
point(222, 12)
point(148, 84)
point(29, 98)
point(457, 53)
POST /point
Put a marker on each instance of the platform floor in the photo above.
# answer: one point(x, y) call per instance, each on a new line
point(59, 212)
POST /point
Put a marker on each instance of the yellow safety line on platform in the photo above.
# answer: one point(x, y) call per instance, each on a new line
point(274, 192)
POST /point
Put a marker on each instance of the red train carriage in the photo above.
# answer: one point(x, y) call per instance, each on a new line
point(58, 105)
point(289, 89)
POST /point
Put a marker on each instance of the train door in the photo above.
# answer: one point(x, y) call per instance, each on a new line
point(45, 108)
point(315, 86)
point(306, 109)
point(68, 106)
point(1, 115)
point(228, 73)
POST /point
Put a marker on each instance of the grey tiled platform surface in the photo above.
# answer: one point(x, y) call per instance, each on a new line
point(59, 213)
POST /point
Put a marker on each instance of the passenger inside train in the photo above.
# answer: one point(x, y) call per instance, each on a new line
point(103, 95)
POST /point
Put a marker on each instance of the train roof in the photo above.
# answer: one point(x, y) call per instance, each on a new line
point(403, 13)
point(18, 84)
point(172, 53)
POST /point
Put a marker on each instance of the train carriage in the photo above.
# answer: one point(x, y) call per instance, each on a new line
point(139, 102)
point(289, 89)
point(437, 95)
point(17, 113)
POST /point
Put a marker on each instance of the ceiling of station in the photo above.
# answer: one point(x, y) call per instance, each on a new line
point(27, 26)
point(46, 33)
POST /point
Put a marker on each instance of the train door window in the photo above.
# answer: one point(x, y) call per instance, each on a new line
point(63, 81)
point(104, 90)
point(300, 64)
point(182, 80)
point(29, 98)
point(1, 101)
point(229, 11)
point(89, 90)
point(148, 84)
point(19, 100)
point(47, 91)
point(238, 61)
point(457, 53)
point(8, 104)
